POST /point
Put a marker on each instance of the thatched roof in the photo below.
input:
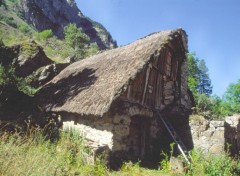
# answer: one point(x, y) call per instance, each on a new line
point(89, 86)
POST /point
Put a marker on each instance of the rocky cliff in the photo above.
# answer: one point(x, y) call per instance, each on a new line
point(56, 14)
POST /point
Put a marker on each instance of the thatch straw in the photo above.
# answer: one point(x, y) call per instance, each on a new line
point(89, 86)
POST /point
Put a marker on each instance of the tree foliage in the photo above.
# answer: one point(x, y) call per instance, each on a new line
point(199, 84)
point(232, 97)
point(46, 34)
point(9, 81)
point(75, 37)
point(204, 85)
point(193, 73)
point(7, 77)
point(199, 81)
point(79, 41)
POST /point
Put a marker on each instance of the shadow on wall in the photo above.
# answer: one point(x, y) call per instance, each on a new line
point(67, 88)
point(179, 118)
point(232, 139)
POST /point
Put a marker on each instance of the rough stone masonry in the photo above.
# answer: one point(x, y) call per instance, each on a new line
point(217, 136)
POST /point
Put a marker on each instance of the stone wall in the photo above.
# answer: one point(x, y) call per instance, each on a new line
point(112, 130)
point(121, 132)
point(232, 134)
point(95, 137)
point(216, 136)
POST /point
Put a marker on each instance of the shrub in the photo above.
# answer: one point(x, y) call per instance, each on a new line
point(24, 28)
point(8, 79)
point(46, 34)
point(131, 169)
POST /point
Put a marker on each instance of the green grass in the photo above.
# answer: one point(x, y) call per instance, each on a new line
point(34, 154)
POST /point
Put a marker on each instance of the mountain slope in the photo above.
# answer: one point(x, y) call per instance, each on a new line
point(56, 14)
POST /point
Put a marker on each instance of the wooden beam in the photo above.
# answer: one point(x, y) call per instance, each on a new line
point(146, 82)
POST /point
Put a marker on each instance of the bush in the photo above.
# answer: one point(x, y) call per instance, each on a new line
point(221, 164)
point(8, 79)
point(46, 34)
point(8, 20)
point(24, 28)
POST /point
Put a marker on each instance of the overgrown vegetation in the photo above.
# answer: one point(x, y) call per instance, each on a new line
point(79, 41)
point(211, 107)
point(14, 30)
point(33, 153)
point(45, 35)
point(213, 165)
point(9, 81)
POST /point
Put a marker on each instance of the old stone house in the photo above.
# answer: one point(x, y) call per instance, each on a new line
point(111, 97)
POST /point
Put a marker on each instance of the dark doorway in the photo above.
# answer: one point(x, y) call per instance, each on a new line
point(138, 139)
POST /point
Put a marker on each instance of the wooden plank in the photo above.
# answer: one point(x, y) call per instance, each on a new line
point(146, 83)
point(158, 97)
point(129, 91)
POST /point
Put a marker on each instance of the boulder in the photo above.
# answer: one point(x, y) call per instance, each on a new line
point(177, 165)
point(48, 72)
point(30, 58)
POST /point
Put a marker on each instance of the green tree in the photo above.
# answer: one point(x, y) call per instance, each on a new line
point(193, 73)
point(204, 84)
point(232, 97)
point(198, 77)
point(75, 37)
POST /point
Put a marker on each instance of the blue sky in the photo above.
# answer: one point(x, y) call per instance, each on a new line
point(213, 28)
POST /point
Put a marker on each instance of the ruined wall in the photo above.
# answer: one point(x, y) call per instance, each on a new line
point(208, 135)
point(232, 134)
point(216, 136)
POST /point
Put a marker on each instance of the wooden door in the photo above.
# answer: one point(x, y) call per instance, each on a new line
point(138, 137)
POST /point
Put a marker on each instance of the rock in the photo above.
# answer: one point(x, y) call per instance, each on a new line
point(49, 72)
point(216, 148)
point(177, 165)
point(212, 136)
point(233, 121)
point(8, 54)
point(30, 58)
point(45, 74)
point(218, 134)
point(208, 133)
point(217, 123)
